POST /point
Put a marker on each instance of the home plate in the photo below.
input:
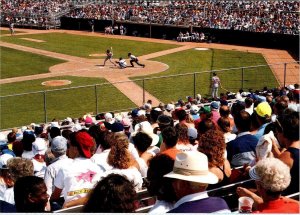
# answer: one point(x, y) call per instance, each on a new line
point(201, 49)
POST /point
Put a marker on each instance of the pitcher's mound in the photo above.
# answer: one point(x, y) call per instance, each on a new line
point(55, 83)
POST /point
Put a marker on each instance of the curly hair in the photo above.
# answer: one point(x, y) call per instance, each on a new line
point(119, 156)
point(182, 132)
point(113, 194)
point(274, 174)
point(20, 167)
point(212, 144)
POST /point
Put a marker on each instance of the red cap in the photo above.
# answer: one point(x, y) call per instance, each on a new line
point(86, 142)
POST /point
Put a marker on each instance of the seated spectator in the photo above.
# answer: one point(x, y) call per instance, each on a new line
point(263, 114)
point(142, 143)
point(183, 143)
point(17, 168)
point(79, 177)
point(288, 137)
point(205, 125)
point(214, 106)
point(189, 186)
point(59, 149)
point(30, 194)
point(28, 139)
point(241, 150)
point(113, 194)
point(272, 177)
point(100, 158)
point(11, 138)
point(224, 126)
point(39, 148)
point(212, 144)
point(160, 186)
point(170, 138)
point(122, 161)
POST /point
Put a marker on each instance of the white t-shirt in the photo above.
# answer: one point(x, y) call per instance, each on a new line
point(132, 175)
point(78, 178)
point(133, 151)
point(215, 81)
point(229, 136)
point(52, 171)
point(39, 168)
point(143, 166)
point(101, 160)
point(9, 195)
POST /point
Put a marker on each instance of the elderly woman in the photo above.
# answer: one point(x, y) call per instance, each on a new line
point(212, 144)
point(16, 168)
point(272, 177)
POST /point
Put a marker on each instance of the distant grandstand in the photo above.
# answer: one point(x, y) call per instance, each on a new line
point(279, 17)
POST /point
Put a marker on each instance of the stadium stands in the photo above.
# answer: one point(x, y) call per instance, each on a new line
point(254, 16)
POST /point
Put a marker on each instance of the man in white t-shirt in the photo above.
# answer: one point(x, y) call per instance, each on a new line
point(81, 175)
point(215, 83)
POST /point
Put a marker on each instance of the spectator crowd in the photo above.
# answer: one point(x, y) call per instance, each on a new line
point(178, 151)
point(255, 16)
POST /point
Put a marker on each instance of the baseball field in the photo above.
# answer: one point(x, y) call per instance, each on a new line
point(63, 72)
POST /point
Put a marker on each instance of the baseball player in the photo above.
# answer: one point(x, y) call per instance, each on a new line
point(122, 63)
point(11, 29)
point(109, 55)
point(134, 59)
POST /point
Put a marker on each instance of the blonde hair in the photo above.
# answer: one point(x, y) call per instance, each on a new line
point(274, 174)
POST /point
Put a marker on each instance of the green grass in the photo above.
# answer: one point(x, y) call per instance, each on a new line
point(192, 61)
point(16, 63)
point(24, 109)
point(83, 46)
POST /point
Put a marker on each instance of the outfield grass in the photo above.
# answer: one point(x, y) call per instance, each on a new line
point(24, 109)
point(192, 61)
point(16, 63)
point(83, 46)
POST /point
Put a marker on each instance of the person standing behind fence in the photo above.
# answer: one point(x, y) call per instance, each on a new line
point(215, 83)
point(134, 59)
point(109, 54)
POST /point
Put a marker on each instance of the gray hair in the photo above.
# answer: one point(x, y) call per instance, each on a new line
point(274, 174)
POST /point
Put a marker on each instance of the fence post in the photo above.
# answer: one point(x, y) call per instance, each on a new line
point(96, 99)
point(243, 78)
point(284, 73)
point(143, 90)
point(194, 85)
point(45, 107)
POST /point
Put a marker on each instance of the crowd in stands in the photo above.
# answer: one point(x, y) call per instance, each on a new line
point(177, 151)
point(255, 16)
point(31, 12)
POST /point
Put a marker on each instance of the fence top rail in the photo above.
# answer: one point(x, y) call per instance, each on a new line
point(150, 78)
